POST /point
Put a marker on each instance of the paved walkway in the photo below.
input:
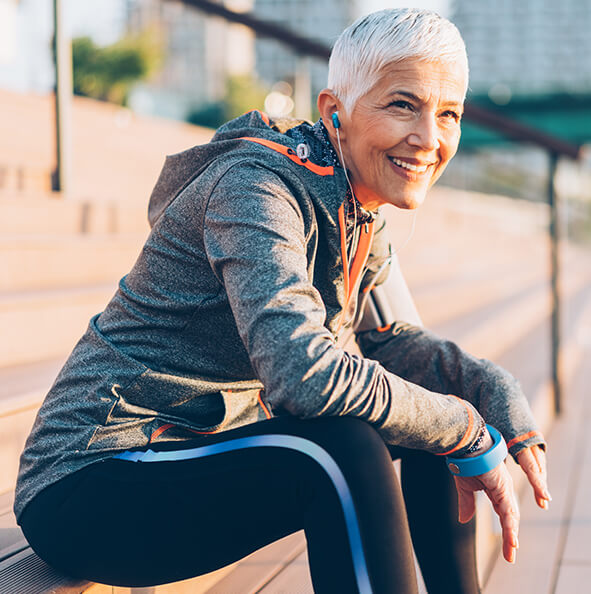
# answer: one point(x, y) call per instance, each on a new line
point(555, 546)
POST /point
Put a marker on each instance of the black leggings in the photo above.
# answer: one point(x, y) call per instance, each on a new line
point(145, 523)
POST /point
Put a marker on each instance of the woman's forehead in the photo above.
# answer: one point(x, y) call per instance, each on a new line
point(423, 79)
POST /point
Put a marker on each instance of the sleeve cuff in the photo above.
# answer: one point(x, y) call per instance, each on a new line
point(526, 440)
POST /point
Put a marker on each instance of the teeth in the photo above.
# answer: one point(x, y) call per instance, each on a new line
point(405, 165)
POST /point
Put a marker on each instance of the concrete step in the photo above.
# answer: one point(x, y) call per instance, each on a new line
point(48, 213)
point(41, 325)
point(22, 390)
point(116, 154)
point(47, 262)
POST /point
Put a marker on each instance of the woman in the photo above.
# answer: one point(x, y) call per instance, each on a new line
point(208, 411)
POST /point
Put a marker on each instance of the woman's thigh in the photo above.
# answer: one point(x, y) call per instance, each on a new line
point(144, 523)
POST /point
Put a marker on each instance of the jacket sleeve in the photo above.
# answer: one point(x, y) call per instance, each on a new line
point(257, 245)
point(419, 356)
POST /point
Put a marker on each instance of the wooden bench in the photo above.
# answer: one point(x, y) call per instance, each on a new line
point(21, 571)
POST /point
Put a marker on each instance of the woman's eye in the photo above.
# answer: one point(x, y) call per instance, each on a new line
point(401, 104)
point(454, 115)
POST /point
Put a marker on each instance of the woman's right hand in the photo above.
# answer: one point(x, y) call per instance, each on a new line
point(498, 486)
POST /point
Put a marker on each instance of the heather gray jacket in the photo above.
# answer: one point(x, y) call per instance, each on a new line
point(231, 313)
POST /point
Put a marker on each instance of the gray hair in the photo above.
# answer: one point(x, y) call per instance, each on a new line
point(374, 41)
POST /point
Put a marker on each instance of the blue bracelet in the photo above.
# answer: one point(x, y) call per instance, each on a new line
point(483, 463)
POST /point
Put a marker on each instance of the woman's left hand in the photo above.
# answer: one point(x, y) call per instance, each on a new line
point(533, 462)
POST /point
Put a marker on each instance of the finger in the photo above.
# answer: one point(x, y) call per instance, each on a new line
point(541, 502)
point(533, 462)
point(505, 504)
point(508, 516)
point(510, 528)
point(540, 458)
point(466, 504)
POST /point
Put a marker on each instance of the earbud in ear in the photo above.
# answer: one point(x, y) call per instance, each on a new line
point(335, 120)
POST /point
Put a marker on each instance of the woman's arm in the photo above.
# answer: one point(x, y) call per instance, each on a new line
point(421, 357)
point(526, 441)
point(257, 242)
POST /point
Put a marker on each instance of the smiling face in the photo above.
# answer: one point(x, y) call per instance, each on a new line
point(402, 134)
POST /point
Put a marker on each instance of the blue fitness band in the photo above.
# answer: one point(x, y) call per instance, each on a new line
point(483, 463)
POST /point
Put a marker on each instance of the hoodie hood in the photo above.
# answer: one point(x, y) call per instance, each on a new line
point(180, 169)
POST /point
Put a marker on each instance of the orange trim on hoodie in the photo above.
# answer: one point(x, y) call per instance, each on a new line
point(359, 260)
point(160, 431)
point(290, 154)
point(263, 115)
point(362, 254)
point(524, 437)
point(265, 409)
point(466, 437)
point(343, 229)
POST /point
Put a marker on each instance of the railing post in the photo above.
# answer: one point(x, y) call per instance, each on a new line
point(554, 281)
point(63, 100)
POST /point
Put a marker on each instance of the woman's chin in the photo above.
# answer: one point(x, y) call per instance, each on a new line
point(410, 202)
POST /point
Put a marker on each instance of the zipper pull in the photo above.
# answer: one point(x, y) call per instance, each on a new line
point(367, 227)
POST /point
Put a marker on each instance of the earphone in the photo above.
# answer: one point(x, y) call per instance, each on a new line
point(337, 124)
point(335, 120)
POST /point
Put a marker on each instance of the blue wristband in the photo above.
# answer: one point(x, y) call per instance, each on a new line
point(483, 463)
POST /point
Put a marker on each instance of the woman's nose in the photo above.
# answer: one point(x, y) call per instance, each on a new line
point(425, 133)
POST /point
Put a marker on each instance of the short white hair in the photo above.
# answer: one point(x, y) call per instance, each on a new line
point(388, 36)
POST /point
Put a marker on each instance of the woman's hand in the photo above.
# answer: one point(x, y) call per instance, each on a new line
point(498, 486)
point(533, 462)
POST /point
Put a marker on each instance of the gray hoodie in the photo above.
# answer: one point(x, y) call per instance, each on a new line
point(231, 315)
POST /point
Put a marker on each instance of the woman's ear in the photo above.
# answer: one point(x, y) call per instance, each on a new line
point(328, 103)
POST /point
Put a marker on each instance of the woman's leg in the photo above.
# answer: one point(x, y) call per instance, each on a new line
point(444, 547)
point(144, 523)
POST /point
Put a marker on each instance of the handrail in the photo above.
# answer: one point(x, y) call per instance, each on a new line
point(478, 115)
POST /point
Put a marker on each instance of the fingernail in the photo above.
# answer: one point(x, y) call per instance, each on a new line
point(544, 504)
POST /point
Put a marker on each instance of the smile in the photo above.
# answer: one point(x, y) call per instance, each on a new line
point(409, 166)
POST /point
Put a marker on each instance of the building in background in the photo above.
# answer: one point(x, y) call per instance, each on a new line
point(25, 46)
point(530, 47)
point(8, 30)
point(529, 60)
point(194, 66)
point(201, 52)
point(317, 19)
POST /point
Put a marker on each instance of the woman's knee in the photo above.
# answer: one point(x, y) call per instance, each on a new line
point(356, 447)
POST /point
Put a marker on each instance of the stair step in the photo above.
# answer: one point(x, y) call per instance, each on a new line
point(41, 325)
point(24, 386)
point(39, 262)
point(50, 213)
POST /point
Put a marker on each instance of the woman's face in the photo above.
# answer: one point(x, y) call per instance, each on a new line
point(401, 135)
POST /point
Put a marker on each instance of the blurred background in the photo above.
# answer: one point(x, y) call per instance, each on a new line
point(501, 257)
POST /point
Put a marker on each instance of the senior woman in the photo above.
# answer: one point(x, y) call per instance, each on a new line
point(209, 410)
